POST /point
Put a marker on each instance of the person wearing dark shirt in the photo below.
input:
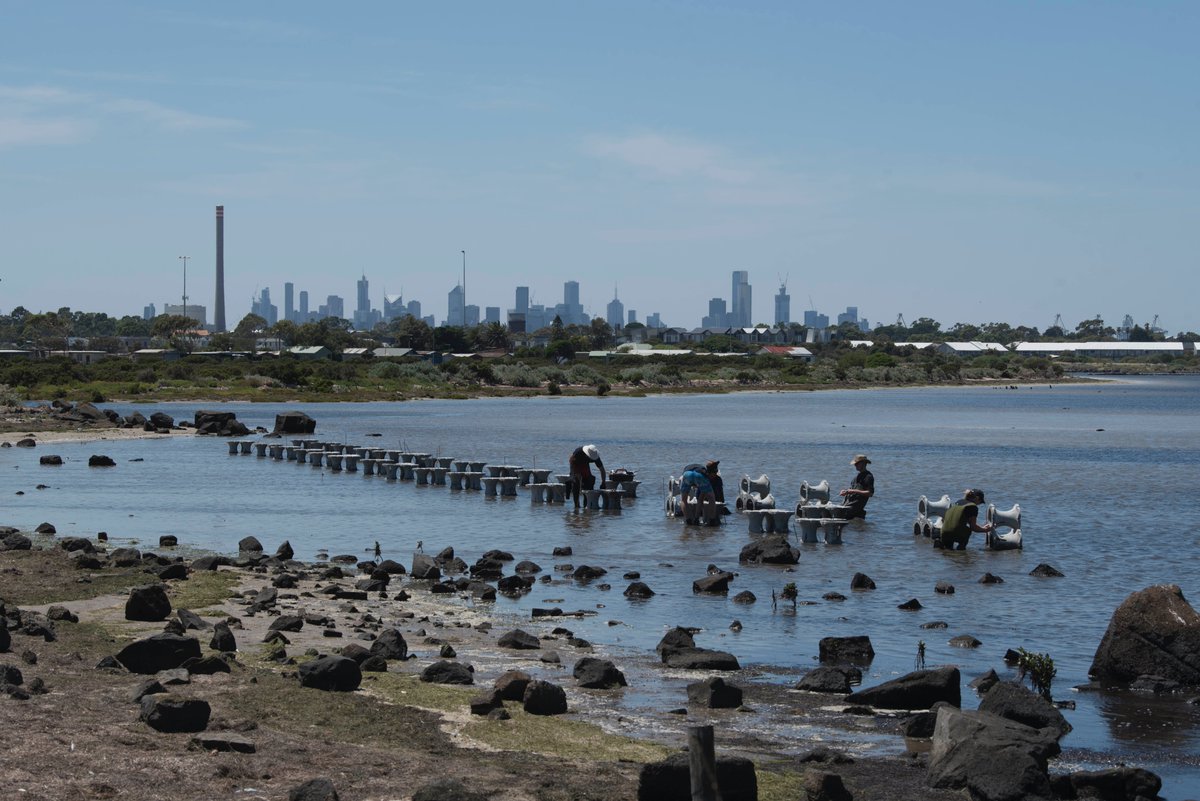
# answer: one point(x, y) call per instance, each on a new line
point(714, 478)
point(860, 490)
point(582, 458)
point(961, 519)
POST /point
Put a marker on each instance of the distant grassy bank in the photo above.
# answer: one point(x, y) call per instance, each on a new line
point(290, 379)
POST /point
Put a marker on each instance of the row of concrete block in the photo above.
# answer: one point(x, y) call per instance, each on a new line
point(426, 469)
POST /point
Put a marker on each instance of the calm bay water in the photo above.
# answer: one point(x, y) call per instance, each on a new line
point(1106, 475)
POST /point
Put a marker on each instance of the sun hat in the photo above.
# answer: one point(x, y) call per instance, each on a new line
point(591, 451)
point(862, 457)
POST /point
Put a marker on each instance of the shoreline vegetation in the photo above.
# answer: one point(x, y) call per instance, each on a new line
point(288, 379)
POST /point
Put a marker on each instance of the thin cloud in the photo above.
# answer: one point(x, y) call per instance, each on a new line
point(670, 157)
point(50, 115)
point(169, 118)
point(23, 132)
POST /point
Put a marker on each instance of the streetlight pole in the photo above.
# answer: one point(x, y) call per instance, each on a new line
point(185, 261)
point(464, 255)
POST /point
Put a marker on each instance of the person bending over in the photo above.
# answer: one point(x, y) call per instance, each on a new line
point(581, 461)
point(697, 477)
point(961, 519)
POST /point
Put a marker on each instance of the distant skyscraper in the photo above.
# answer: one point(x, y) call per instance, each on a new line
point(848, 316)
point(455, 311)
point(394, 307)
point(616, 312)
point(522, 299)
point(335, 306)
point(194, 311)
point(632, 316)
point(148, 312)
point(783, 306)
point(654, 320)
point(303, 306)
point(365, 317)
point(289, 308)
point(741, 308)
point(472, 313)
point(717, 316)
point(219, 308)
point(264, 308)
point(814, 319)
point(364, 295)
point(414, 310)
point(572, 310)
point(491, 314)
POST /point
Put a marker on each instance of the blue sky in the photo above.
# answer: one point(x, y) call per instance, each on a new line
point(965, 161)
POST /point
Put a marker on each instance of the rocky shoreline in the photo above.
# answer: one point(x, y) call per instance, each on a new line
point(422, 644)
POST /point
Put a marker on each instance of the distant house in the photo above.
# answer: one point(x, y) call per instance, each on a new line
point(1104, 350)
point(672, 336)
point(969, 348)
point(789, 351)
point(393, 353)
point(15, 354)
point(351, 354)
point(83, 356)
point(754, 335)
point(310, 352)
point(157, 354)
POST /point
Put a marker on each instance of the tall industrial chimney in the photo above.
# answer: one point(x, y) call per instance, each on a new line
point(219, 307)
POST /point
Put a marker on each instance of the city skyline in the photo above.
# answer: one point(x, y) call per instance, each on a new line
point(965, 163)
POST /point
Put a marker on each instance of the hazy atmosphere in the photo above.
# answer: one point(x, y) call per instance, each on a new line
point(967, 162)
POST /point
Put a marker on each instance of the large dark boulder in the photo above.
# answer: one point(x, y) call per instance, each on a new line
point(769, 550)
point(51, 460)
point(294, 423)
point(920, 689)
point(224, 424)
point(170, 713)
point(639, 589)
point(702, 659)
point(148, 603)
point(425, 567)
point(390, 644)
point(1019, 703)
point(161, 420)
point(511, 684)
point(993, 758)
point(855, 650)
point(714, 693)
point(716, 584)
point(674, 640)
point(1154, 632)
point(250, 545)
point(861, 581)
point(447, 673)
point(335, 673)
point(519, 640)
point(16, 542)
point(544, 698)
point(314, 790)
point(160, 652)
point(223, 639)
point(670, 780)
point(100, 460)
point(1114, 784)
point(598, 674)
point(834, 680)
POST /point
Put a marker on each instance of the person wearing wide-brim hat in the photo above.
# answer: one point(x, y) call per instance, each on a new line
point(582, 458)
point(855, 497)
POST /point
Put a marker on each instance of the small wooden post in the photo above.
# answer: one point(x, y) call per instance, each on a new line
point(702, 764)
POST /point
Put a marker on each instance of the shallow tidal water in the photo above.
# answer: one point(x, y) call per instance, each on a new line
point(1105, 473)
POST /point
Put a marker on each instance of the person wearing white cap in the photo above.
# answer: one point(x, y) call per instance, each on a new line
point(861, 489)
point(581, 461)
